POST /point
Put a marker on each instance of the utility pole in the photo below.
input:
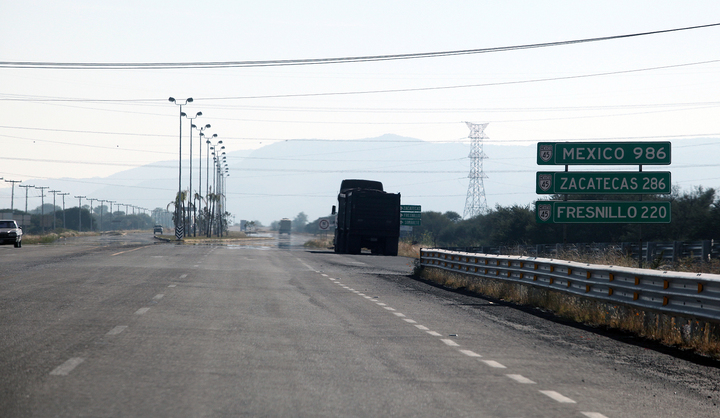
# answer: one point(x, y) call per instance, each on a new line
point(79, 198)
point(42, 206)
point(26, 199)
point(63, 197)
point(12, 196)
point(54, 216)
point(92, 214)
point(102, 206)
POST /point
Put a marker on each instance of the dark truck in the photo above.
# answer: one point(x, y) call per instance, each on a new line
point(367, 217)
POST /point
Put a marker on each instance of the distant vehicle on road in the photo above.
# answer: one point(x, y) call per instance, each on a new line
point(157, 229)
point(10, 233)
point(367, 217)
point(285, 226)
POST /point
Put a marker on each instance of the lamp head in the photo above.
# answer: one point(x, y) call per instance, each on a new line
point(207, 126)
point(172, 100)
point(198, 114)
point(183, 114)
point(189, 100)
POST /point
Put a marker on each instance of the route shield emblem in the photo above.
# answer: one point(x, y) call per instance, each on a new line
point(545, 181)
point(546, 152)
point(544, 212)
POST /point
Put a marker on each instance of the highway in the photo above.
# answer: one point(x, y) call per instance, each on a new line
point(128, 326)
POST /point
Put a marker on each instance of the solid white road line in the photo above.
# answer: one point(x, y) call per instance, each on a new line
point(556, 396)
point(141, 311)
point(520, 379)
point(67, 367)
point(493, 363)
point(451, 343)
point(470, 353)
point(117, 330)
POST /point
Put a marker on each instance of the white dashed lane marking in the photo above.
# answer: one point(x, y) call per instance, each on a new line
point(142, 311)
point(158, 296)
point(493, 363)
point(556, 396)
point(520, 379)
point(593, 414)
point(451, 343)
point(117, 330)
point(172, 285)
point(65, 368)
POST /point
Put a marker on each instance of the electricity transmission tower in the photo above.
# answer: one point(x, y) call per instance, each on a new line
point(476, 203)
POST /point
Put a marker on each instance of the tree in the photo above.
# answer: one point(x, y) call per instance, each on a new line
point(299, 222)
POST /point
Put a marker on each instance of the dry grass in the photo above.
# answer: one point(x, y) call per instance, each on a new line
point(325, 243)
point(699, 336)
point(407, 249)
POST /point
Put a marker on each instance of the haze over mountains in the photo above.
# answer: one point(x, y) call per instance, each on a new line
point(285, 178)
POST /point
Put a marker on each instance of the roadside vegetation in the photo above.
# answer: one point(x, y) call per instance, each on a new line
point(695, 216)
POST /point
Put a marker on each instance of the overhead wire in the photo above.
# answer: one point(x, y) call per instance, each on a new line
point(325, 61)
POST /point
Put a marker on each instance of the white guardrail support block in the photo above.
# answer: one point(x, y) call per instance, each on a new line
point(695, 295)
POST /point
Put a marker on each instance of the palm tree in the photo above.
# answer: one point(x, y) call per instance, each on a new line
point(179, 213)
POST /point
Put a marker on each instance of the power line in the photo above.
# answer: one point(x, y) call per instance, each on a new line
point(324, 61)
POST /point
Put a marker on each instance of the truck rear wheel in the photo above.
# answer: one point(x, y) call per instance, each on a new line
point(353, 244)
point(391, 246)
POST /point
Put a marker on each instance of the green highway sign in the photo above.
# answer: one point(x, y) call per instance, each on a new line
point(410, 222)
point(409, 208)
point(603, 153)
point(410, 215)
point(599, 211)
point(603, 182)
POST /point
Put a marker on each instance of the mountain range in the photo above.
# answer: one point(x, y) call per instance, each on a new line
point(285, 178)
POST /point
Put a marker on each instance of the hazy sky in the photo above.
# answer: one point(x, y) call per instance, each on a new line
point(95, 122)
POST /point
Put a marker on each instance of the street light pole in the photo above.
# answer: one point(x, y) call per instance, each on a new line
point(190, 190)
point(179, 230)
point(200, 137)
point(79, 198)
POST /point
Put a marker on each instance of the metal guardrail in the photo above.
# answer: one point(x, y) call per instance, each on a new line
point(667, 251)
point(686, 294)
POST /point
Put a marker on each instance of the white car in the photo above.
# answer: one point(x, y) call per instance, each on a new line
point(10, 233)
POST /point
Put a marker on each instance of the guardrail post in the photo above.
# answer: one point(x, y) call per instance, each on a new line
point(650, 253)
point(677, 251)
point(706, 250)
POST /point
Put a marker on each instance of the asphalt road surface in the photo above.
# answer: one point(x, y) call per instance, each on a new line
point(125, 326)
